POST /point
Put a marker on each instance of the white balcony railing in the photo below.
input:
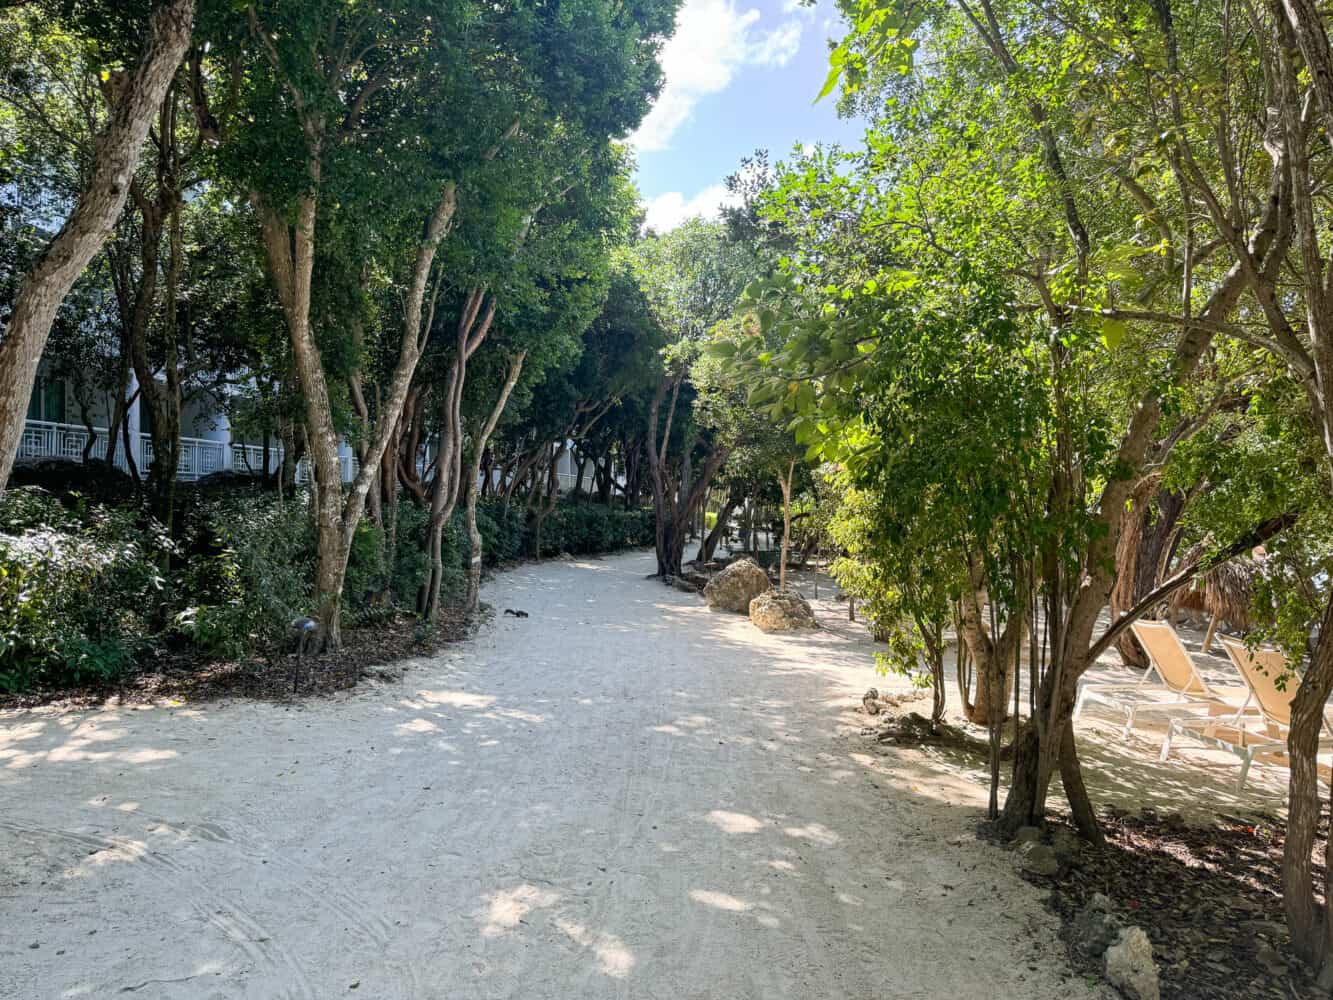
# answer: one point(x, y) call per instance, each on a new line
point(43, 439)
point(249, 458)
point(199, 457)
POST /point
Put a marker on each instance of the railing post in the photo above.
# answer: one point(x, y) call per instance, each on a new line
point(132, 421)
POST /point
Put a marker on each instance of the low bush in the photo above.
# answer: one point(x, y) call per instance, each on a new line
point(80, 588)
point(411, 563)
point(589, 528)
point(248, 572)
point(83, 592)
point(503, 529)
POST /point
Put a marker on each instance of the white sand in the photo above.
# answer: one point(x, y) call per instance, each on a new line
point(623, 795)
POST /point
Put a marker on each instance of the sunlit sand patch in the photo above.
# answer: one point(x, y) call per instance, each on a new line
point(506, 909)
point(516, 713)
point(417, 726)
point(581, 564)
point(817, 832)
point(719, 900)
point(458, 699)
point(871, 763)
point(669, 729)
point(21, 732)
point(733, 822)
point(694, 721)
point(613, 958)
point(75, 754)
point(126, 850)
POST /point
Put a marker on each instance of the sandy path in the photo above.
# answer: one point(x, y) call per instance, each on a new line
point(621, 796)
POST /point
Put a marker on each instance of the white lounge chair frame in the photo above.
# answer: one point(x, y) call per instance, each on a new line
point(1231, 733)
point(1133, 698)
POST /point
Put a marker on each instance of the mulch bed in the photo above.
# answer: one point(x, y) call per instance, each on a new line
point(1208, 897)
point(368, 651)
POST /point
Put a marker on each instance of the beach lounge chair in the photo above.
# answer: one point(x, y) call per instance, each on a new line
point(1170, 683)
point(1258, 730)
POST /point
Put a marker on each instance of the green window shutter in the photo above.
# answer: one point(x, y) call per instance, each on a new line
point(55, 400)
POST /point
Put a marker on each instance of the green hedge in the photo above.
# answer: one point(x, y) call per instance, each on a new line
point(83, 594)
point(79, 589)
point(590, 528)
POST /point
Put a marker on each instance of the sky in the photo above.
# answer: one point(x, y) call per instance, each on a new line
point(739, 77)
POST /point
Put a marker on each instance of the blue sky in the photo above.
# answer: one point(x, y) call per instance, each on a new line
point(739, 77)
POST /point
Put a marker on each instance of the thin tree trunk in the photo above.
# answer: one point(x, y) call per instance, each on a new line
point(134, 99)
point(786, 522)
point(473, 327)
point(479, 449)
point(708, 547)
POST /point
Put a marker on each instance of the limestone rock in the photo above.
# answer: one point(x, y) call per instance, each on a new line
point(1130, 966)
point(1095, 928)
point(736, 586)
point(781, 611)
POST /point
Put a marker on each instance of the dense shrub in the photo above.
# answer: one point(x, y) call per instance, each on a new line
point(589, 528)
point(250, 563)
point(79, 589)
point(82, 591)
point(502, 529)
point(364, 586)
point(96, 480)
point(411, 563)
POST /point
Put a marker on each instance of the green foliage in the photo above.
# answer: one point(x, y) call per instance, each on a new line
point(248, 575)
point(502, 528)
point(366, 579)
point(411, 561)
point(78, 590)
point(588, 529)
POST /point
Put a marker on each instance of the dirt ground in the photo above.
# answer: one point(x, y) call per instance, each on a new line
point(623, 795)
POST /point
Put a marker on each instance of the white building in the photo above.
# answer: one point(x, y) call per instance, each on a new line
point(54, 429)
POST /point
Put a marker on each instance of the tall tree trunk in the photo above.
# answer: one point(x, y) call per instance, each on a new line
point(163, 398)
point(1302, 27)
point(1148, 528)
point(474, 473)
point(134, 100)
point(291, 259)
point(708, 547)
point(786, 484)
point(994, 658)
point(473, 326)
point(1307, 918)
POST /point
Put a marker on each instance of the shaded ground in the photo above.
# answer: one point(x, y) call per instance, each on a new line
point(1208, 898)
point(168, 677)
point(1189, 858)
point(622, 795)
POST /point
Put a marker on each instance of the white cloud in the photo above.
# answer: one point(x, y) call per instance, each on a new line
point(779, 46)
point(798, 8)
point(713, 40)
point(667, 211)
